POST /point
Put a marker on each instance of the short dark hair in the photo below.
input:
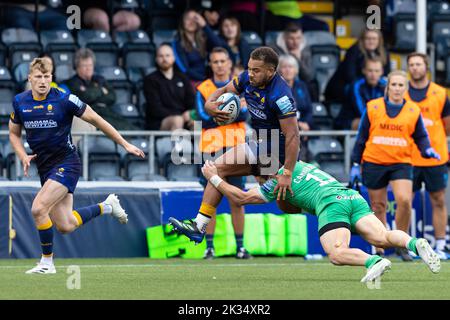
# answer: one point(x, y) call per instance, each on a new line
point(373, 60)
point(219, 50)
point(418, 54)
point(266, 55)
point(293, 27)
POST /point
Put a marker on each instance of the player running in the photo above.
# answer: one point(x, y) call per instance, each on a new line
point(274, 118)
point(339, 211)
point(47, 113)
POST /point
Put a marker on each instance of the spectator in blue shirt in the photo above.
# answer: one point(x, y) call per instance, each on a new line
point(367, 88)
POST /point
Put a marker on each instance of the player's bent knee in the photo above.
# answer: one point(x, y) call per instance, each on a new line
point(65, 228)
point(39, 211)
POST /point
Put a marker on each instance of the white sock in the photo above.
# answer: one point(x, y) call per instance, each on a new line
point(440, 244)
point(107, 208)
point(202, 222)
point(47, 260)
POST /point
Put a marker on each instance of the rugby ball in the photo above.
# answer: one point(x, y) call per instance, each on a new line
point(231, 104)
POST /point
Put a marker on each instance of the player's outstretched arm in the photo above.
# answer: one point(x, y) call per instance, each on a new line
point(233, 193)
point(15, 137)
point(211, 105)
point(93, 118)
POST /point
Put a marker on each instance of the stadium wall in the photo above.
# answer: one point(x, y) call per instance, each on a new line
point(148, 204)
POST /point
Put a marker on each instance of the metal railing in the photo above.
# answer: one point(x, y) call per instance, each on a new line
point(152, 135)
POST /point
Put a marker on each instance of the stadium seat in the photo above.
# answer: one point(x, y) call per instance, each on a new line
point(325, 60)
point(64, 72)
point(271, 38)
point(104, 159)
point(3, 54)
point(52, 40)
point(326, 149)
point(117, 78)
point(166, 148)
point(447, 70)
point(137, 59)
point(252, 38)
point(130, 113)
point(182, 172)
point(108, 178)
point(20, 73)
point(137, 75)
point(106, 51)
point(335, 168)
point(404, 32)
point(160, 36)
point(321, 118)
point(148, 177)
point(7, 86)
point(319, 38)
point(23, 45)
point(11, 164)
point(131, 37)
point(335, 109)
point(112, 73)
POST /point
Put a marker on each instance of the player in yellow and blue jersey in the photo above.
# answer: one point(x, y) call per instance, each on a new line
point(46, 113)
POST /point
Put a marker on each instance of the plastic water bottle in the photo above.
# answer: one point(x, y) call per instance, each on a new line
point(313, 257)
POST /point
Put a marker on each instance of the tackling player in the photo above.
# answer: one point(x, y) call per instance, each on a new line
point(273, 116)
point(339, 211)
point(46, 114)
point(435, 107)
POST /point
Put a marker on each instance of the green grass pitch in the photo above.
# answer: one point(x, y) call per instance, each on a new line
point(225, 278)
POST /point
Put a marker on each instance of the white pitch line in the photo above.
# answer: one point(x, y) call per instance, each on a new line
point(177, 266)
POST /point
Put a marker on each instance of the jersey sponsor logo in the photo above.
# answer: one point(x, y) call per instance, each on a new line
point(352, 197)
point(284, 104)
point(427, 122)
point(257, 113)
point(38, 107)
point(40, 124)
point(75, 100)
point(27, 110)
point(12, 115)
point(391, 126)
point(390, 141)
point(268, 186)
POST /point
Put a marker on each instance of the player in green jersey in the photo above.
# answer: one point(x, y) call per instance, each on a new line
point(339, 210)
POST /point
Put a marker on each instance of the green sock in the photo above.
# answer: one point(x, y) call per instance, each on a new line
point(412, 245)
point(372, 260)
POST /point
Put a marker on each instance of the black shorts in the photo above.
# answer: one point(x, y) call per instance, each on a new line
point(435, 178)
point(376, 176)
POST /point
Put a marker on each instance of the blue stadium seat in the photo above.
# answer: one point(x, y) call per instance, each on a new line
point(271, 38)
point(405, 32)
point(106, 51)
point(325, 60)
point(335, 168)
point(3, 54)
point(104, 159)
point(107, 178)
point(182, 172)
point(148, 177)
point(23, 45)
point(61, 46)
point(321, 118)
point(137, 37)
point(130, 113)
point(117, 78)
point(7, 86)
point(326, 149)
point(319, 38)
point(252, 38)
point(20, 73)
point(160, 36)
point(64, 72)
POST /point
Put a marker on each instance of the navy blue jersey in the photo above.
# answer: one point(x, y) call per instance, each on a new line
point(269, 104)
point(47, 124)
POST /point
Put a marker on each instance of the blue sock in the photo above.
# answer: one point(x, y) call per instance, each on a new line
point(86, 214)
point(209, 241)
point(239, 240)
point(46, 236)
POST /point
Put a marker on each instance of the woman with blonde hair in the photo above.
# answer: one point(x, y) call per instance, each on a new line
point(388, 130)
point(369, 45)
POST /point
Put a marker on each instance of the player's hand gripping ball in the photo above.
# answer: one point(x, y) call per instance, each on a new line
point(231, 104)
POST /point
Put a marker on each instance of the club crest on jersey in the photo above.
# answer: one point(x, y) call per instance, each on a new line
point(49, 108)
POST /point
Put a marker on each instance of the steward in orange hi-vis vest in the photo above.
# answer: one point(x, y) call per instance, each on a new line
point(431, 108)
point(215, 137)
point(390, 140)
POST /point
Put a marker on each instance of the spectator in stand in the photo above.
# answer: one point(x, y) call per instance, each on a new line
point(95, 16)
point(169, 94)
point(94, 89)
point(369, 45)
point(238, 48)
point(288, 68)
point(21, 14)
point(370, 87)
point(194, 39)
point(291, 41)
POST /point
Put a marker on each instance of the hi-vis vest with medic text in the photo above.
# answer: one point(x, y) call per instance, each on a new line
point(431, 108)
point(390, 139)
point(215, 139)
